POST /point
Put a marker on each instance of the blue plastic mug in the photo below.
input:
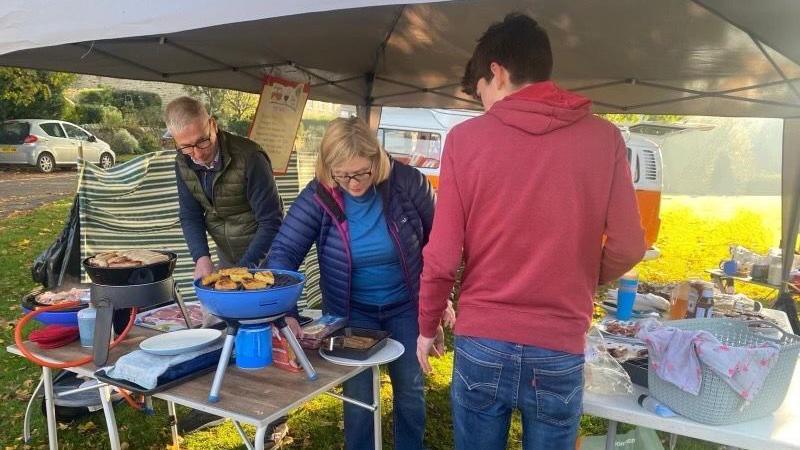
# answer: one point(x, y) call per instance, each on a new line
point(730, 266)
point(254, 346)
point(626, 296)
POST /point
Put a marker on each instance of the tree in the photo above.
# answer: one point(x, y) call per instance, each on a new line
point(630, 119)
point(214, 98)
point(26, 93)
point(240, 105)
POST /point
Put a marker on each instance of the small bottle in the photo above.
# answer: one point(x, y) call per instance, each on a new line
point(680, 302)
point(705, 304)
point(86, 320)
point(775, 271)
point(691, 300)
point(652, 405)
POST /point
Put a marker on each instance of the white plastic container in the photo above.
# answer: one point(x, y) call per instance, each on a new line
point(86, 320)
point(775, 274)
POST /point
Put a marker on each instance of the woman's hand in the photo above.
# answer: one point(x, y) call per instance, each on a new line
point(294, 325)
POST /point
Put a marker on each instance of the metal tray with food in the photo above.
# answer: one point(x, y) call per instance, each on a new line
point(170, 318)
point(355, 343)
point(620, 330)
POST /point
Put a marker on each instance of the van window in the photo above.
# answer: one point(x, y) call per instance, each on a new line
point(416, 148)
point(633, 161)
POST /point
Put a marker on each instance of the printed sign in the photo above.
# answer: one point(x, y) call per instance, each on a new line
point(277, 119)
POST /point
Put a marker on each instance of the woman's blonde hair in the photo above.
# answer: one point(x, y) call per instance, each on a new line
point(346, 139)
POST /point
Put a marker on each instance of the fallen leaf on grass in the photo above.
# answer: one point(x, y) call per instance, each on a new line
point(88, 426)
point(22, 394)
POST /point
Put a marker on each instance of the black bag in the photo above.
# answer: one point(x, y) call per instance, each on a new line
point(61, 262)
point(75, 406)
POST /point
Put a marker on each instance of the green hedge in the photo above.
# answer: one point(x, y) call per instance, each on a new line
point(130, 100)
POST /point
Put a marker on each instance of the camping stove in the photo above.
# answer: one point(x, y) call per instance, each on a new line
point(227, 349)
point(114, 302)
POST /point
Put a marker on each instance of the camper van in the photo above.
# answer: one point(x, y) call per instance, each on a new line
point(416, 136)
point(644, 157)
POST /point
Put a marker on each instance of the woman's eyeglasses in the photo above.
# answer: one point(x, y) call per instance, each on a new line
point(357, 177)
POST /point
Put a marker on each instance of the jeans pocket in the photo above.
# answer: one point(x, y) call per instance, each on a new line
point(475, 381)
point(559, 390)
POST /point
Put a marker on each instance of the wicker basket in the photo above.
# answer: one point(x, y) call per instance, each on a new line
point(718, 403)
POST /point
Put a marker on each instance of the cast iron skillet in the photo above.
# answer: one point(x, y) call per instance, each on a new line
point(126, 276)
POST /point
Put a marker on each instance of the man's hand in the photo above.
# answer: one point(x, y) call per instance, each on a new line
point(430, 346)
point(203, 267)
point(449, 316)
point(294, 325)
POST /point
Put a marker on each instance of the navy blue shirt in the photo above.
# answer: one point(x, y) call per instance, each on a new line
point(377, 276)
point(261, 193)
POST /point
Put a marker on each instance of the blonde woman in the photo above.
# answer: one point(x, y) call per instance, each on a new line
point(370, 217)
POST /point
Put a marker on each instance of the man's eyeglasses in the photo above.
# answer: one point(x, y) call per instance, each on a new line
point(202, 144)
point(357, 177)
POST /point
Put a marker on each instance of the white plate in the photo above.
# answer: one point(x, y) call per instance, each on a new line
point(391, 351)
point(181, 341)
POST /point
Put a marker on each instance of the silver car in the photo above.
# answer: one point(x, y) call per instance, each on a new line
point(47, 144)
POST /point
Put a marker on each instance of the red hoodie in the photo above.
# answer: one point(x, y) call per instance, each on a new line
point(528, 190)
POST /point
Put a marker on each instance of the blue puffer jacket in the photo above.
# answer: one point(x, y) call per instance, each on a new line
point(317, 216)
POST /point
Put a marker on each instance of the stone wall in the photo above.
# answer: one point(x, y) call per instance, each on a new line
point(167, 91)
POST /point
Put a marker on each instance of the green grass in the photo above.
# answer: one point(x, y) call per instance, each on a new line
point(694, 236)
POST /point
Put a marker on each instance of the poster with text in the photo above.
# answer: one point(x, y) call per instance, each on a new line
point(277, 119)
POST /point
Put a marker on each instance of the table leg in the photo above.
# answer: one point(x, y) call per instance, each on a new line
point(376, 399)
point(261, 433)
point(50, 407)
point(26, 422)
point(173, 420)
point(611, 436)
point(111, 420)
point(242, 434)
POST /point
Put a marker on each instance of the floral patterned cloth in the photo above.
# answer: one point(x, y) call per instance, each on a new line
point(676, 357)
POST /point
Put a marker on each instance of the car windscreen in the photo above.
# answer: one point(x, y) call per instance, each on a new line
point(14, 133)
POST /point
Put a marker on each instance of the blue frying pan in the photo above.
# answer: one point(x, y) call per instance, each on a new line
point(254, 304)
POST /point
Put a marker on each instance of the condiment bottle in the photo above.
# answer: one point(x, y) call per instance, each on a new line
point(680, 302)
point(705, 304)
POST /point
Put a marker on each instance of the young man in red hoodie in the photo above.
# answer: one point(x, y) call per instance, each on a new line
point(537, 193)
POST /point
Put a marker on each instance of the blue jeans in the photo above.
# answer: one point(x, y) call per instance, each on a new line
point(491, 378)
point(406, 376)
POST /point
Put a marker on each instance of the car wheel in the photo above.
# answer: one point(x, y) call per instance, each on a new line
point(45, 162)
point(106, 160)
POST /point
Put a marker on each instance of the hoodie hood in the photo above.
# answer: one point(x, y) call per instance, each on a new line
point(541, 108)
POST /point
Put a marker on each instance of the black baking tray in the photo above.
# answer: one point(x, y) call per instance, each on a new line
point(180, 373)
point(381, 338)
point(637, 369)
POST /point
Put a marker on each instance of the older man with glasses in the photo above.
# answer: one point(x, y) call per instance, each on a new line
point(225, 188)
